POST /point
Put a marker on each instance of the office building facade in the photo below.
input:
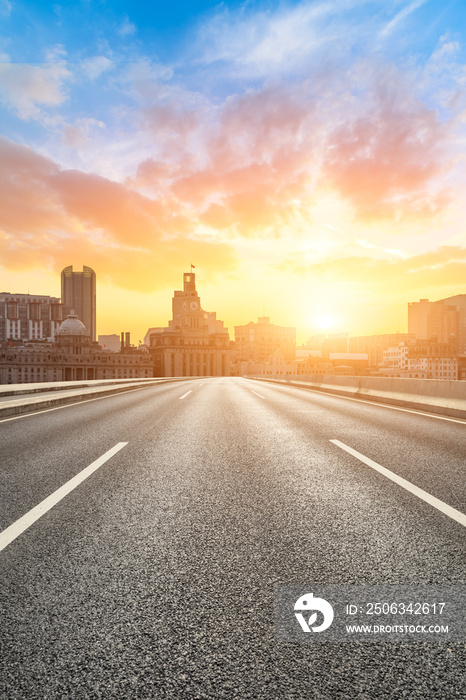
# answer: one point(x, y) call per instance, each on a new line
point(459, 302)
point(29, 317)
point(434, 319)
point(78, 292)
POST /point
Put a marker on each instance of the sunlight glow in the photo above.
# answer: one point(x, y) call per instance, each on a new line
point(325, 321)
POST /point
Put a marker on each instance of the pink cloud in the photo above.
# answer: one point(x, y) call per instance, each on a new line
point(385, 159)
point(46, 212)
point(370, 140)
point(244, 166)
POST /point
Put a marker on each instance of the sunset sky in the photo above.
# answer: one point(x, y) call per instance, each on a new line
point(308, 158)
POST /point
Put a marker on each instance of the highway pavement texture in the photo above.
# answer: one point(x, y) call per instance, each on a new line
point(154, 577)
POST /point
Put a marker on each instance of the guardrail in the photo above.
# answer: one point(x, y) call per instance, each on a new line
point(432, 395)
point(24, 398)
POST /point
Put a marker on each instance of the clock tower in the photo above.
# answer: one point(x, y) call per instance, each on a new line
point(195, 344)
point(186, 306)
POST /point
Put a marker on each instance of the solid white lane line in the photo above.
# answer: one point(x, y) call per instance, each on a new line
point(14, 530)
point(185, 395)
point(260, 395)
point(427, 497)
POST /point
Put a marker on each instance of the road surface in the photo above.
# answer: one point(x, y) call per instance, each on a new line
point(153, 577)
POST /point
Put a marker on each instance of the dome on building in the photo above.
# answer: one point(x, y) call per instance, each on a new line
point(72, 326)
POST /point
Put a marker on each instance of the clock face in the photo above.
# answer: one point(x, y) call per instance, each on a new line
point(193, 305)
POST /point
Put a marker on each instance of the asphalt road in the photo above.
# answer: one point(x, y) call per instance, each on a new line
point(154, 577)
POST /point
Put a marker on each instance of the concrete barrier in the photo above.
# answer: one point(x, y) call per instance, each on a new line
point(432, 395)
point(24, 398)
point(40, 387)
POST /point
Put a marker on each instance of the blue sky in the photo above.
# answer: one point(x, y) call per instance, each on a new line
point(318, 147)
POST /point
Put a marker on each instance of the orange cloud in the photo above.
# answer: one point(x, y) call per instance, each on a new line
point(47, 213)
point(370, 140)
point(444, 267)
point(253, 166)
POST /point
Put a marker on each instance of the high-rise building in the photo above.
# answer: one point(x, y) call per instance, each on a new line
point(459, 302)
point(437, 320)
point(195, 343)
point(78, 293)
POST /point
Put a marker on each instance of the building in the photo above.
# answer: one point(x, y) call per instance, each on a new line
point(258, 342)
point(337, 363)
point(459, 302)
point(438, 360)
point(265, 349)
point(78, 292)
point(72, 357)
point(434, 319)
point(195, 343)
point(422, 360)
point(396, 357)
point(462, 368)
point(312, 365)
point(276, 366)
point(154, 329)
point(334, 343)
point(110, 343)
point(350, 363)
point(374, 345)
point(28, 317)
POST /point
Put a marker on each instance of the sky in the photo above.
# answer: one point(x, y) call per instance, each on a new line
point(308, 158)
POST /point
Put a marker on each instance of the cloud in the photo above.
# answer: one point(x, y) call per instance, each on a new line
point(94, 66)
point(248, 139)
point(358, 125)
point(146, 80)
point(267, 42)
point(385, 156)
point(127, 28)
point(444, 267)
point(46, 211)
point(402, 14)
point(77, 134)
point(25, 88)
point(251, 163)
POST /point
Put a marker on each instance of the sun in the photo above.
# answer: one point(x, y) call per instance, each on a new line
point(325, 321)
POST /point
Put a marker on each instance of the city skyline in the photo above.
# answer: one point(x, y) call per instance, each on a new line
point(301, 337)
point(307, 158)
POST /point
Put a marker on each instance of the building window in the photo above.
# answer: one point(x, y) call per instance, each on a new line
point(11, 310)
point(34, 311)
